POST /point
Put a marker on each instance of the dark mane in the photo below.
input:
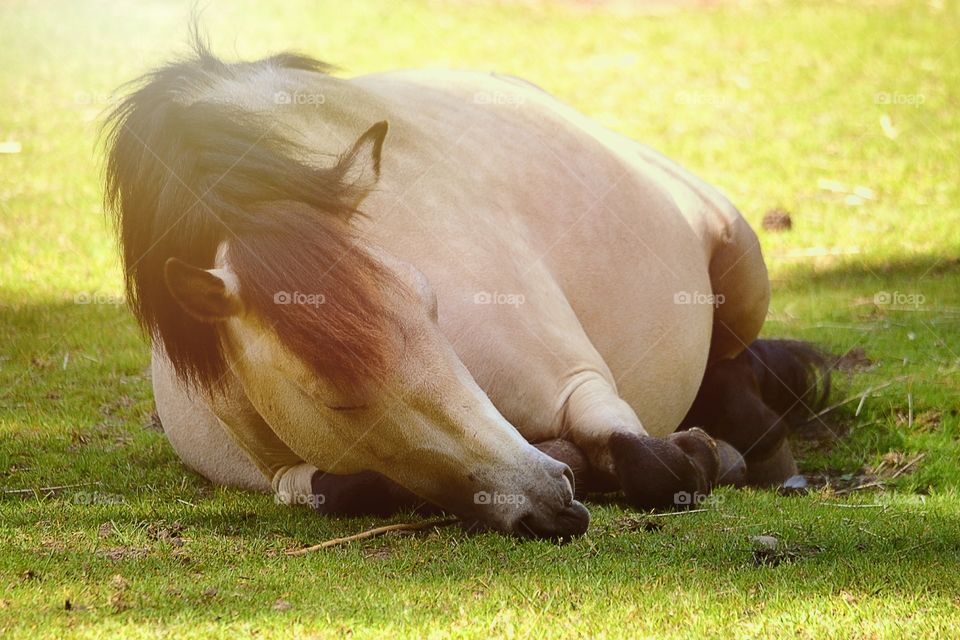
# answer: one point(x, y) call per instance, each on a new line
point(185, 174)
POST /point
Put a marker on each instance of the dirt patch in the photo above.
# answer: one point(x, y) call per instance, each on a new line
point(637, 523)
point(123, 553)
point(777, 220)
point(854, 360)
point(169, 532)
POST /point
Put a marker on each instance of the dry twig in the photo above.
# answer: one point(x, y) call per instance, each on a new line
point(370, 533)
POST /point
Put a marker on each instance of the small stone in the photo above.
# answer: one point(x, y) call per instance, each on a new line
point(282, 605)
point(794, 485)
point(766, 542)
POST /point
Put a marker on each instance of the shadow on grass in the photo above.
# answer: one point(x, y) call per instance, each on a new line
point(864, 273)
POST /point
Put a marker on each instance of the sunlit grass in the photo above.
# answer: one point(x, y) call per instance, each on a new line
point(791, 105)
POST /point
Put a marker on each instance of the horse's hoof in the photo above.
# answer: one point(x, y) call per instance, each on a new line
point(703, 451)
point(774, 469)
point(361, 494)
point(658, 473)
point(570, 454)
point(733, 468)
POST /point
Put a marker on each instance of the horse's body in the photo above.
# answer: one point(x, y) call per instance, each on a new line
point(584, 280)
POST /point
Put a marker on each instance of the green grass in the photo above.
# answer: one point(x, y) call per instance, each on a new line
point(764, 99)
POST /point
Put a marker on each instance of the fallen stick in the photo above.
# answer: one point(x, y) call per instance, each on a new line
point(667, 514)
point(854, 506)
point(859, 487)
point(371, 533)
point(48, 490)
point(909, 464)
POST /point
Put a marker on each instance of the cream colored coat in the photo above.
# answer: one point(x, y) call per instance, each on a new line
point(583, 279)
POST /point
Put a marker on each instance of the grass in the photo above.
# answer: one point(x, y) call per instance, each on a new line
point(765, 99)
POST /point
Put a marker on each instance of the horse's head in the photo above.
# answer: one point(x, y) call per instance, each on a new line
point(337, 345)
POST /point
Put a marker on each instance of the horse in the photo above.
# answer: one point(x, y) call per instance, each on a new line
point(439, 290)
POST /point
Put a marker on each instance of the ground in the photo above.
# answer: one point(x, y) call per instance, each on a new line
point(841, 116)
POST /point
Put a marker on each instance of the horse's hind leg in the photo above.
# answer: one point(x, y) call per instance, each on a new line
point(747, 394)
point(729, 407)
point(741, 289)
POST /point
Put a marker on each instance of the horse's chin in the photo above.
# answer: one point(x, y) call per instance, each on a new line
point(571, 522)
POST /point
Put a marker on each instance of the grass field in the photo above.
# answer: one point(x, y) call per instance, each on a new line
point(844, 114)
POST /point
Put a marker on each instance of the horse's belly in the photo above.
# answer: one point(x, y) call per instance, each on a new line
point(654, 336)
point(658, 368)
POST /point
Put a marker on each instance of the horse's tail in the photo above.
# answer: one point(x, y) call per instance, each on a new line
point(793, 376)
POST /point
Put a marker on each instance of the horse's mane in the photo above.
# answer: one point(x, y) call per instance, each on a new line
point(185, 173)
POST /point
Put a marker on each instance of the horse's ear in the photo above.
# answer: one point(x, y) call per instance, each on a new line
point(361, 164)
point(202, 294)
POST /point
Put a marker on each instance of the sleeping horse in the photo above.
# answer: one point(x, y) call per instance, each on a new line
point(440, 289)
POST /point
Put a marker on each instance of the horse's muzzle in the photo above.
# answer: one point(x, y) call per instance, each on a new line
point(569, 522)
point(546, 509)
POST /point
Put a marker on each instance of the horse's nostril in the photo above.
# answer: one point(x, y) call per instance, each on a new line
point(568, 474)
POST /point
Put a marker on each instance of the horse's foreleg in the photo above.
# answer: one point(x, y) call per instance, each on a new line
point(362, 494)
point(652, 472)
point(224, 439)
point(297, 482)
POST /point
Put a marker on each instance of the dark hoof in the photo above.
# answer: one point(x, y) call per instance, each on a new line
point(733, 468)
point(362, 494)
point(703, 451)
point(660, 474)
point(772, 470)
point(570, 454)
